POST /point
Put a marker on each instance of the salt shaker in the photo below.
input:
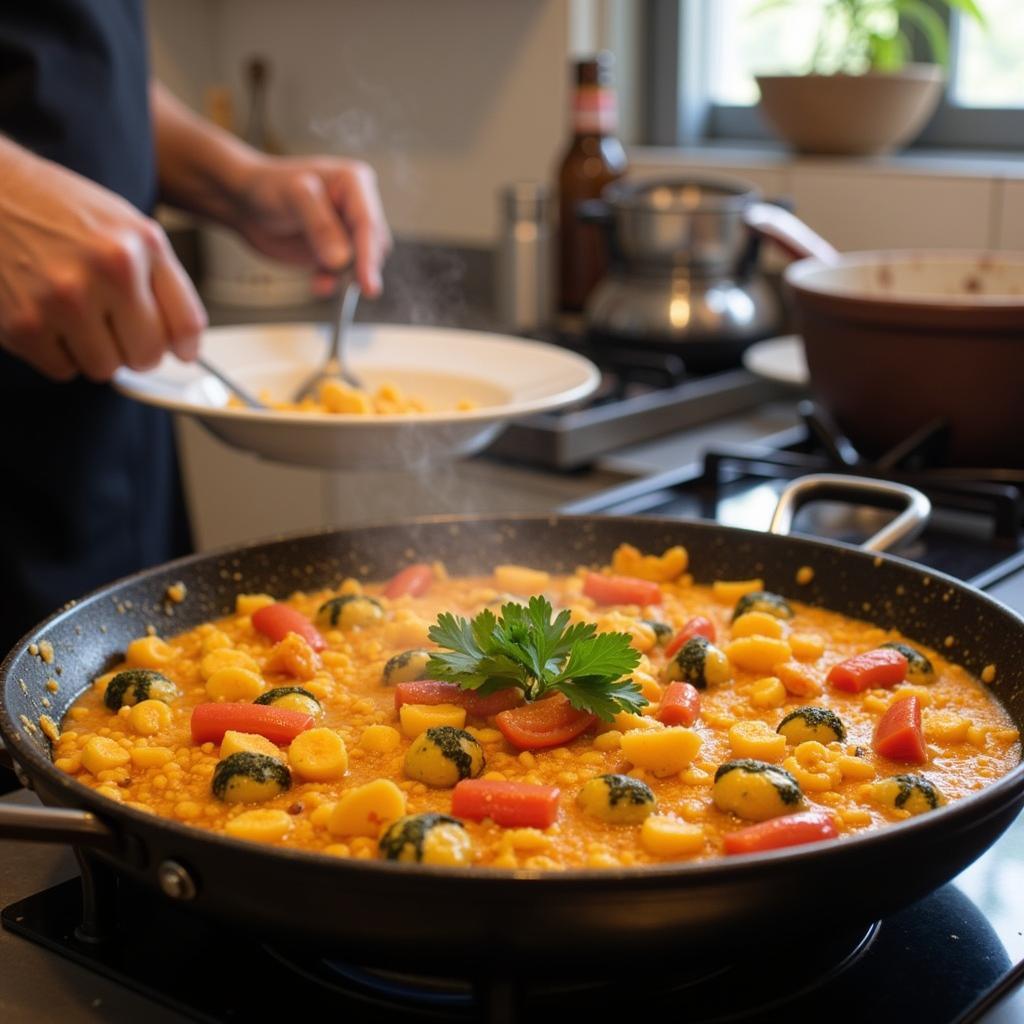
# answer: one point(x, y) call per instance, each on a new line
point(524, 285)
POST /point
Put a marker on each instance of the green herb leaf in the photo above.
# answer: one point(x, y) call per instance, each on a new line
point(527, 646)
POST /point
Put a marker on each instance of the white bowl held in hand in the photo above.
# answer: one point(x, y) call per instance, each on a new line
point(504, 377)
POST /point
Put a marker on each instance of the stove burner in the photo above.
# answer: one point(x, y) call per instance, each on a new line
point(918, 461)
point(713, 991)
point(631, 366)
point(941, 952)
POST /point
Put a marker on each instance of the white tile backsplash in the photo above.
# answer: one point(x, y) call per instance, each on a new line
point(1009, 226)
point(861, 209)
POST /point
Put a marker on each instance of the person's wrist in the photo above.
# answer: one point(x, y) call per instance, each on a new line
point(239, 168)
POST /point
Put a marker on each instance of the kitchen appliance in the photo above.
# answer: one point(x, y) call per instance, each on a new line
point(644, 394)
point(684, 271)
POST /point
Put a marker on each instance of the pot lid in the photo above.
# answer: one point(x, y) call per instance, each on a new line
point(682, 195)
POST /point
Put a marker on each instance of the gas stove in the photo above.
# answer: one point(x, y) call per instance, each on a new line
point(943, 960)
point(644, 394)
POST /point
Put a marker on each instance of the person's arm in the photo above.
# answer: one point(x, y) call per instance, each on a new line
point(319, 211)
point(87, 282)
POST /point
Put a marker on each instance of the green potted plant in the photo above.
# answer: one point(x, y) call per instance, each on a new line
point(862, 93)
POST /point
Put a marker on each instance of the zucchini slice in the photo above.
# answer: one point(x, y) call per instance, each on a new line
point(442, 755)
point(913, 793)
point(134, 685)
point(763, 601)
point(294, 698)
point(617, 799)
point(756, 790)
point(662, 631)
point(698, 662)
point(247, 777)
point(812, 723)
point(349, 611)
point(428, 838)
point(406, 667)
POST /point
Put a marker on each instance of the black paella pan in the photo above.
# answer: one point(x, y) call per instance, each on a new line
point(400, 913)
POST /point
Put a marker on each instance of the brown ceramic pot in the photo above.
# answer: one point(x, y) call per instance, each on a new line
point(896, 340)
point(851, 114)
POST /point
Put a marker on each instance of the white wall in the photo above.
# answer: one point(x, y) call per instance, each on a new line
point(905, 201)
point(447, 99)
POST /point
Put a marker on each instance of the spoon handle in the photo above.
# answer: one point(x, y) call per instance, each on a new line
point(243, 393)
point(342, 324)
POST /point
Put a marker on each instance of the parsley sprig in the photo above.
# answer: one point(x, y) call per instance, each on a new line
point(525, 647)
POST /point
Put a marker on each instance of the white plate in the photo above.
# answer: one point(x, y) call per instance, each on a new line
point(505, 377)
point(780, 359)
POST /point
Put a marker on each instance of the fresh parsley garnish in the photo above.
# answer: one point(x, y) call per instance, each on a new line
point(525, 647)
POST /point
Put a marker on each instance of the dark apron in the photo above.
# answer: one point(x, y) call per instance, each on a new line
point(89, 486)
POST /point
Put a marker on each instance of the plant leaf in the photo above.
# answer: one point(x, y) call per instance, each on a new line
point(970, 8)
point(888, 53)
point(930, 22)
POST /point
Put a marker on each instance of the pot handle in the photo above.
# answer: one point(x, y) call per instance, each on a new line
point(48, 824)
point(908, 524)
point(788, 232)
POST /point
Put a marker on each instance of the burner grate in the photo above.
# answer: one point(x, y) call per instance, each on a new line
point(205, 971)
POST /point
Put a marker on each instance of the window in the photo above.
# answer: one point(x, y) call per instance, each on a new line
point(703, 55)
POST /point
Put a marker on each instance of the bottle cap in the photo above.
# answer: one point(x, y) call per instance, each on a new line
point(595, 70)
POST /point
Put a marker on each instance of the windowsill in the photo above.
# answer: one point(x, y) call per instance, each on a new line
point(750, 153)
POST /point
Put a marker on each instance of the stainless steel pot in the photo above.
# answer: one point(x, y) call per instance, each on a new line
point(683, 271)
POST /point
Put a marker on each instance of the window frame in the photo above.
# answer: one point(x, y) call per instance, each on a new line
point(680, 110)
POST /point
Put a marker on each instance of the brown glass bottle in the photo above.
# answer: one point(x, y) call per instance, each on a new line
point(258, 132)
point(595, 158)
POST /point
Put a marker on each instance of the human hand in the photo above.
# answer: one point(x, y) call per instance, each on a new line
point(316, 211)
point(87, 282)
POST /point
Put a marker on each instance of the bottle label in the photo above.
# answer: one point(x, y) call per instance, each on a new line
point(594, 111)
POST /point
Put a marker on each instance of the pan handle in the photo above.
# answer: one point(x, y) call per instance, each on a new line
point(907, 525)
point(53, 825)
point(38, 824)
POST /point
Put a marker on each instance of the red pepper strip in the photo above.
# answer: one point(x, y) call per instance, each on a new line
point(790, 830)
point(544, 723)
point(279, 725)
point(432, 691)
point(276, 621)
point(898, 735)
point(697, 626)
point(621, 589)
point(680, 704)
point(414, 580)
point(509, 804)
point(881, 667)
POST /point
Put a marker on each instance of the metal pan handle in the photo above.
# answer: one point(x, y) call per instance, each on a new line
point(48, 824)
point(907, 525)
point(53, 825)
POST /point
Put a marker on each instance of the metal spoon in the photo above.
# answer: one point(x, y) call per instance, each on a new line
point(335, 366)
point(247, 397)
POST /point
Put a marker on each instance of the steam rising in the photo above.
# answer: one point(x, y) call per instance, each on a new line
point(423, 285)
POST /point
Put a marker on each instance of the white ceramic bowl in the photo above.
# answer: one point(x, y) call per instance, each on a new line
point(506, 378)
